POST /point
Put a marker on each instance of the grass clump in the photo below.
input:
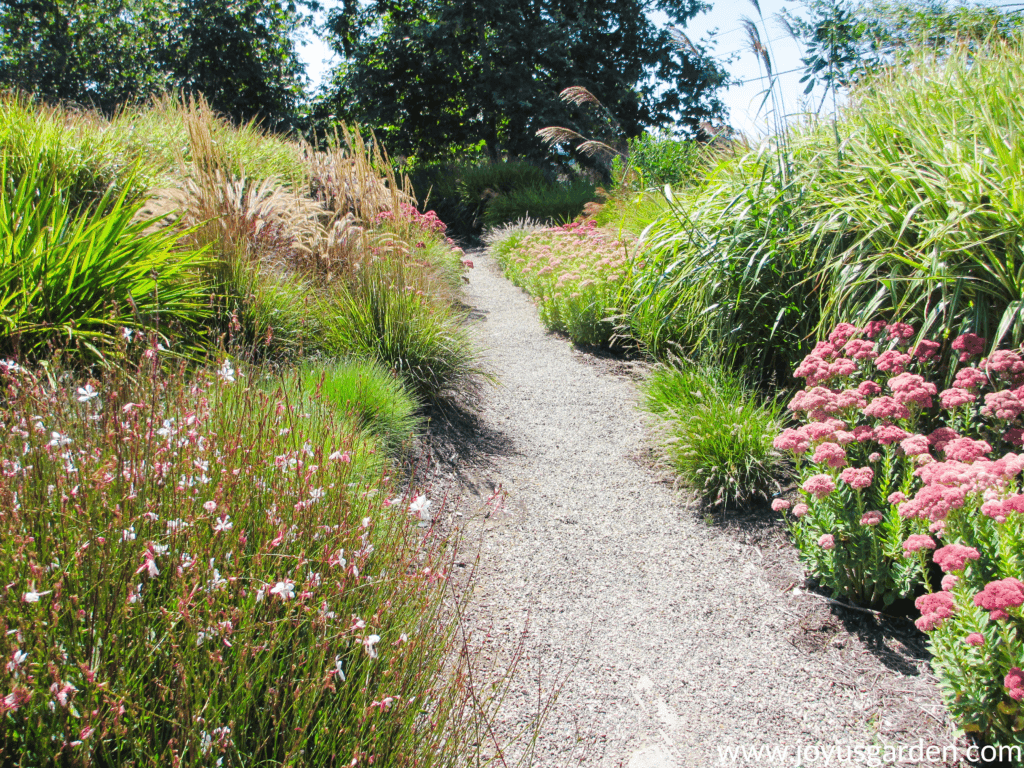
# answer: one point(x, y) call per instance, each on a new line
point(718, 435)
point(378, 402)
point(77, 278)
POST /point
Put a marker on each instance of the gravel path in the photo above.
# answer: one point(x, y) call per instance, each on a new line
point(667, 638)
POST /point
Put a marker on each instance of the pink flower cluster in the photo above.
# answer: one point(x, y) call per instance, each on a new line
point(954, 557)
point(997, 596)
point(428, 221)
point(935, 608)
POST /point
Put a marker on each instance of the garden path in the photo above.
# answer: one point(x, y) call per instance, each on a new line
point(669, 636)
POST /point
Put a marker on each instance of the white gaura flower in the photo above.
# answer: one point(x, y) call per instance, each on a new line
point(284, 589)
point(337, 669)
point(223, 525)
point(419, 506)
point(227, 372)
point(86, 393)
point(32, 596)
point(369, 644)
point(316, 494)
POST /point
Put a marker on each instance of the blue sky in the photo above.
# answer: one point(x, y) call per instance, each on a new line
point(725, 15)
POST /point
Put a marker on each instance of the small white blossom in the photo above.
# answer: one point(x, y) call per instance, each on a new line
point(284, 589)
point(87, 393)
point(227, 373)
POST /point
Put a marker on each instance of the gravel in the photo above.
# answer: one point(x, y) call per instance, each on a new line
point(634, 629)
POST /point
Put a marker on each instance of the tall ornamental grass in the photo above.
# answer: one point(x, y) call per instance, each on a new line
point(213, 572)
point(914, 213)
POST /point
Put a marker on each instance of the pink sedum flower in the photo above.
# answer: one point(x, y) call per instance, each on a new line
point(915, 445)
point(779, 505)
point(873, 517)
point(819, 486)
point(955, 397)
point(887, 409)
point(799, 510)
point(901, 332)
point(1014, 683)
point(954, 557)
point(975, 639)
point(887, 434)
point(916, 542)
point(999, 595)
point(792, 440)
point(857, 478)
point(966, 450)
point(935, 608)
point(827, 541)
point(1003, 405)
point(968, 345)
point(969, 378)
point(830, 454)
point(948, 582)
point(842, 333)
point(892, 361)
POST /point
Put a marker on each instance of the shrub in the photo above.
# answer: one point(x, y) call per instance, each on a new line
point(204, 571)
point(377, 401)
point(77, 281)
point(895, 481)
point(718, 436)
point(549, 202)
point(572, 271)
point(657, 160)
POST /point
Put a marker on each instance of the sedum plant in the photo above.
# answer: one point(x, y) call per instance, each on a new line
point(898, 475)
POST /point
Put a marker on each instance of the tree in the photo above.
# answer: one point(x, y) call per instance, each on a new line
point(844, 41)
point(239, 53)
point(433, 75)
point(97, 52)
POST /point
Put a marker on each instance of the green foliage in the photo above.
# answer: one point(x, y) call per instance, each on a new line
point(239, 53)
point(76, 279)
point(377, 400)
point(431, 75)
point(288, 606)
point(383, 317)
point(656, 160)
point(550, 202)
point(848, 41)
point(718, 435)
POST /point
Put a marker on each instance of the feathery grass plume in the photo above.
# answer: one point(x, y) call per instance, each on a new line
point(578, 95)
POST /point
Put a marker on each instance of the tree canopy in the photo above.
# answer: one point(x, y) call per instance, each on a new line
point(239, 53)
point(433, 76)
point(846, 39)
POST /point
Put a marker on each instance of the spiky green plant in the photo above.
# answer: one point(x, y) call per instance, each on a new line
point(76, 281)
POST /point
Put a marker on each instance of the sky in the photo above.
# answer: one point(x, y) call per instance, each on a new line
point(742, 101)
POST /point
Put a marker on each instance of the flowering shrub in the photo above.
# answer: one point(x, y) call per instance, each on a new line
point(897, 475)
point(573, 272)
point(210, 573)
